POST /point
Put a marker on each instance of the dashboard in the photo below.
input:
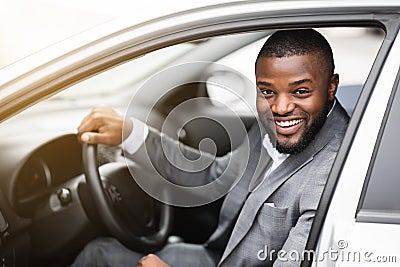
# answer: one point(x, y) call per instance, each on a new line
point(44, 202)
point(44, 169)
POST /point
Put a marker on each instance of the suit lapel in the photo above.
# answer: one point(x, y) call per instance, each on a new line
point(235, 199)
point(256, 199)
point(275, 179)
point(265, 162)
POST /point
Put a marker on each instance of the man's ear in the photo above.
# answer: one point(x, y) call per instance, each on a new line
point(333, 84)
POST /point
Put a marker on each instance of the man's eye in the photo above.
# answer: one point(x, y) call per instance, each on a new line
point(301, 91)
point(267, 92)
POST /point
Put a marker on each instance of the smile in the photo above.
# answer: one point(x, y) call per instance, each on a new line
point(289, 127)
point(285, 124)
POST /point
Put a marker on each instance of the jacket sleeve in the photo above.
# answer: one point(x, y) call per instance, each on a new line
point(184, 165)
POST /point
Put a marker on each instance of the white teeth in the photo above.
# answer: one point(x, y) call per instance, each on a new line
point(287, 123)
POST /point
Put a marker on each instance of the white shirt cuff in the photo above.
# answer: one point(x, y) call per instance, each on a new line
point(137, 137)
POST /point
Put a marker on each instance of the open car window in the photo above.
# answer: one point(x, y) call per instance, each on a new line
point(118, 85)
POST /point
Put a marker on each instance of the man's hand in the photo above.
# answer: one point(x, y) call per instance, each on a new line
point(151, 260)
point(103, 126)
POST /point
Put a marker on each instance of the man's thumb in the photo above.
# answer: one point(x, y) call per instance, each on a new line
point(87, 138)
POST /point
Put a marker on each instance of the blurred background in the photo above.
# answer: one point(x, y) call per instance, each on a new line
point(27, 26)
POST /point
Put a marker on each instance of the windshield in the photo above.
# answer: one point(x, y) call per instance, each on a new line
point(127, 76)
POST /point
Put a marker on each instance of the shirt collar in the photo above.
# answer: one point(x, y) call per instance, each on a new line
point(330, 111)
point(272, 152)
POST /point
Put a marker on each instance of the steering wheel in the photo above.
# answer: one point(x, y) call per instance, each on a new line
point(129, 214)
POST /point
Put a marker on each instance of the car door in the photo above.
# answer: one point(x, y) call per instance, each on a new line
point(360, 200)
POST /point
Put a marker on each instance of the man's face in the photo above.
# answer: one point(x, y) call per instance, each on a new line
point(299, 92)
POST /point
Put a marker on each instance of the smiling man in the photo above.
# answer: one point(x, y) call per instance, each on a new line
point(291, 79)
point(268, 214)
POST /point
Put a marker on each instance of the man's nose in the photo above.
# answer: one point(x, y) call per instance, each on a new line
point(282, 105)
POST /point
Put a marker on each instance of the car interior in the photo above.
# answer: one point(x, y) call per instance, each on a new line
point(47, 211)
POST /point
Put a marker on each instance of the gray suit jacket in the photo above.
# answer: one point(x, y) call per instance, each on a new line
point(251, 230)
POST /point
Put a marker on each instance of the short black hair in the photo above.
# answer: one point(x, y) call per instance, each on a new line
point(299, 42)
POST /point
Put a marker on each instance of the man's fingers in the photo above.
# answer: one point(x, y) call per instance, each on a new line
point(93, 138)
point(151, 260)
point(105, 138)
point(90, 124)
point(88, 120)
point(140, 262)
point(102, 125)
point(84, 131)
